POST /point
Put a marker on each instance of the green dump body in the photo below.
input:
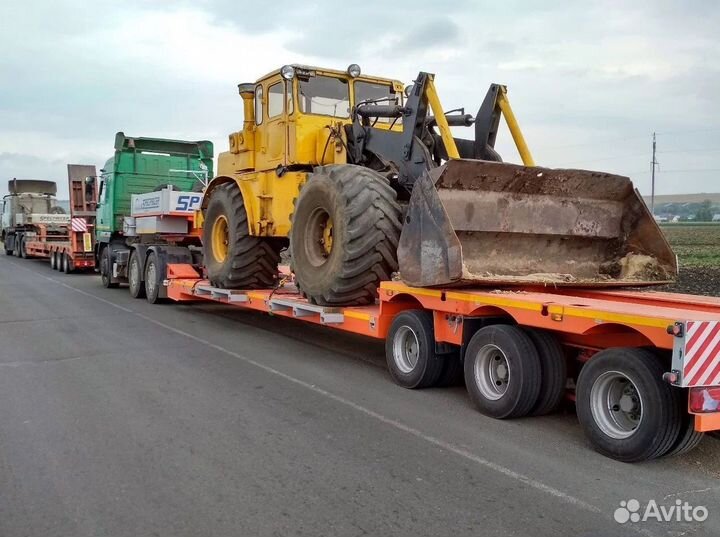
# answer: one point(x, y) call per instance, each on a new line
point(142, 165)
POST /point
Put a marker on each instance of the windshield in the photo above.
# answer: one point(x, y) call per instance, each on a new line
point(325, 96)
point(375, 93)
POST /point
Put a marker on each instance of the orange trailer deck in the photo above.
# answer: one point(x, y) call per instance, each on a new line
point(683, 329)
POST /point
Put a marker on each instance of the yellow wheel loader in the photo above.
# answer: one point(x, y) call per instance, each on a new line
point(363, 180)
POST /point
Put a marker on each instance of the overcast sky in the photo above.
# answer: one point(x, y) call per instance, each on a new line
point(589, 82)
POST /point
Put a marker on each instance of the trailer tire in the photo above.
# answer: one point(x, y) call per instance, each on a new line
point(410, 350)
point(67, 266)
point(53, 260)
point(239, 260)
point(553, 372)
point(452, 372)
point(23, 249)
point(153, 279)
point(688, 438)
point(502, 371)
point(344, 235)
point(106, 268)
point(136, 285)
point(628, 412)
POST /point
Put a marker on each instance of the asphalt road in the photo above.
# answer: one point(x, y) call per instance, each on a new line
point(119, 418)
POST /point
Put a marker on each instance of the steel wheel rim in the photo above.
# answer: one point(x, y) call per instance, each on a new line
point(150, 279)
point(318, 237)
point(220, 238)
point(406, 349)
point(492, 372)
point(616, 405)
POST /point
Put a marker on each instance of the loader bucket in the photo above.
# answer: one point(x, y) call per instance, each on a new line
point(473, 222)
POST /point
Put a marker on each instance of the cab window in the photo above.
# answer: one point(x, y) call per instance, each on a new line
point(372, 92)
point(276, 98)
point(258, 105)
point(324, 95)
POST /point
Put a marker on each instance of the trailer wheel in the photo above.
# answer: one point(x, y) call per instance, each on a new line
point(410, 350)
point(553, 372)
point(502, 371)
point(136, 285)
point(23, 249)
point(688, 438)
point(625, 408)
point(67, 264)
point(106, 268)
point(452, 372)
point(53, 260)
point(153, 279)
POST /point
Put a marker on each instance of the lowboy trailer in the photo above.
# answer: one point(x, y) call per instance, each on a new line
point(642, 367)
point(73, 248)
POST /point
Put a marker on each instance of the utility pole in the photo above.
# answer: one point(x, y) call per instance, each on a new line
point(652, 191)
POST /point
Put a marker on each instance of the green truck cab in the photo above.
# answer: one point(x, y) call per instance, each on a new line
point(140, 166)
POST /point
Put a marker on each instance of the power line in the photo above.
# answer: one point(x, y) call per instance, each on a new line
point(691, 151)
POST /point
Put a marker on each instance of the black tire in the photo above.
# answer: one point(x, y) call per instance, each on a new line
point(53, 260)
point(23, 250)
point(410, 350)
point(502, 371)
point(358, 210)
point(153, 279)
point(106, 269)
point(136, 285)
point(67, 267)
point(553, 372)
point(452, 373)
point(650, 424)
point(688, 438)
point(250, 262)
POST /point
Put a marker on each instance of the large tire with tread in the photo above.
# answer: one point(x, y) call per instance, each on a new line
point(22, 249)
point(502, 371)
point(234, 259)
point(344, 235)
point(153, 279)
point(136, 286)
point(688, 438)
point(628, 412)
point(106, 268)
point(67, 264)
point(553, 372)
point(410, 350)
point(53, 260)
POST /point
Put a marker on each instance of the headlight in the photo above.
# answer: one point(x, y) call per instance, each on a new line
point(408, 90)
point(353, 70)
point(287, 72)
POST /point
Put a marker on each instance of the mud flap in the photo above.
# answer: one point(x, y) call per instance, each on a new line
point(472, 222)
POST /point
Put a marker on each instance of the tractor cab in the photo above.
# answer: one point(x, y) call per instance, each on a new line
point(294, 116)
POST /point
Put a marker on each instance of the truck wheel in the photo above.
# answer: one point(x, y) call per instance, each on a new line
point(234, 259)
point(67, 266)
point(23, 250)
point(452, 371)
point(553, 372)
point(502, 371)
point(688, 438)
point(136, 285)
point(53, 260)
point(106, 268)
point(344, 235)
point(628, 412)
point(153, 279)
point(410, 350)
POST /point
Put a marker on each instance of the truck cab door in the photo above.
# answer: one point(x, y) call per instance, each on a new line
point(271, 118)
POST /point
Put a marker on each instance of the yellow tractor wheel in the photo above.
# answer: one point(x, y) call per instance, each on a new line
point(233, 258)
point(344, 235)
